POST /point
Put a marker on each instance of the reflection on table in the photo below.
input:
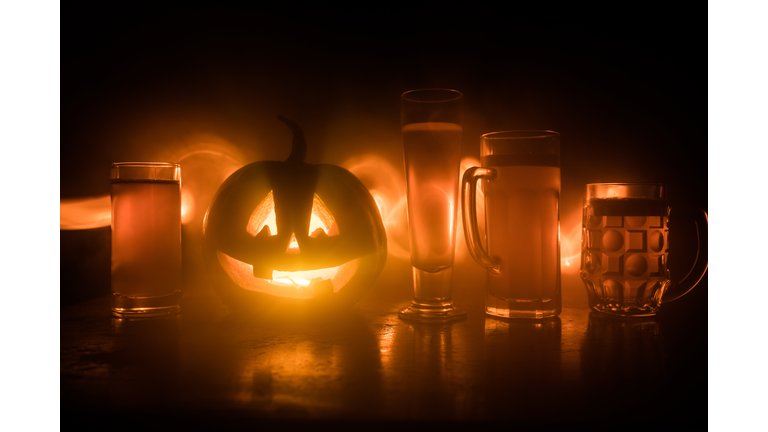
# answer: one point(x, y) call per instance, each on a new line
point(367, 364)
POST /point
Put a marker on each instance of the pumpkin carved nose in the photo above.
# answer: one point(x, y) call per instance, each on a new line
point(293, 246)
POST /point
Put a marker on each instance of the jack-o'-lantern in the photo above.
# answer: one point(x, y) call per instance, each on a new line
point(292, 234)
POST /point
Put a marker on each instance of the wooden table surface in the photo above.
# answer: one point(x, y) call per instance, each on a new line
point(368, 367)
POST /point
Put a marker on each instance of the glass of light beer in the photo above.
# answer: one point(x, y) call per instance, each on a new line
point(431, 121)
point(625, 248)
point(520, 176)
point(146, 239)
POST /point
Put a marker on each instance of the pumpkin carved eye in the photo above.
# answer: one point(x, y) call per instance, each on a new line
point(264, 222)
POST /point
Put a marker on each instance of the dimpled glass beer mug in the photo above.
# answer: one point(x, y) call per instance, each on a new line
point(625, 248)
point(431, 121)
point(520, 176)
point(146, 239)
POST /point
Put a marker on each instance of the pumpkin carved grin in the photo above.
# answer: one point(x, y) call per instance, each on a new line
point(301, 285)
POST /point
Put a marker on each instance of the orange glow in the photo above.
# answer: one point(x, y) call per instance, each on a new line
point(303, 278)
point(386, 185)
point(379, 202)
point(293, 246)
point(90, 213)
point(264, 215)
point(206, 161)
point(300, 284)
point(322, 218)
point(386, 341)
point(570, 242)
point(461, 246)
point(187, 206)
point(87, 213)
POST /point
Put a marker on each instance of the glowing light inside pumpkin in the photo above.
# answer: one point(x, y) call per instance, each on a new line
point(300, 284)
point(302, 278)
point(264, 215)
point(321, 218)
point(293, 247)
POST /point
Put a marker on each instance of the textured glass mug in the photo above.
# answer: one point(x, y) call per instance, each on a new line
point(625, 248)
point(521, 185)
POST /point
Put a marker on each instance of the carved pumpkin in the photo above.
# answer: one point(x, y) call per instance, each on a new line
point(286, 234)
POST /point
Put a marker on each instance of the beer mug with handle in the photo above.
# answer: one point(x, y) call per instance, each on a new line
point(625, 248)
point(520, 176)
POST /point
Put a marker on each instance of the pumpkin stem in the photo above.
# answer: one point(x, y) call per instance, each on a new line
point(299, 144)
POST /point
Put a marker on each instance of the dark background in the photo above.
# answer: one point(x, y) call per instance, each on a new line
point(627, 93)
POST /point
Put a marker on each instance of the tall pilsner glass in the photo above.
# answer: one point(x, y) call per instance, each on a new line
point(431, 122)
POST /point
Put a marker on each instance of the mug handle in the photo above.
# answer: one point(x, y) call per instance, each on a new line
point(700, 265)
point(469, 216)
